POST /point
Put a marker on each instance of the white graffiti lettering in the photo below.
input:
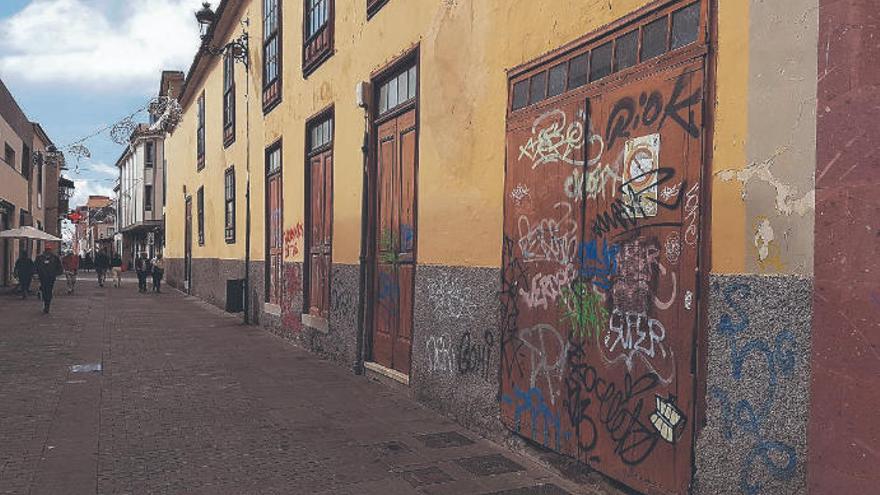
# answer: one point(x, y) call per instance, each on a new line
point(519, 193)
point(550, 239)
point(633, 335)
point(691, 208)
point(441, 355)
point(553, 140)
point(547, 288)
point(548, 351)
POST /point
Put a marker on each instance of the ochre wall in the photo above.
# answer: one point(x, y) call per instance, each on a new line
point(465, 48)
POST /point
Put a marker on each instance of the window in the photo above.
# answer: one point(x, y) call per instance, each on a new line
point(9, 156)
point(200, 134)
point(319, 205)
point(148, 198)
point(373, 6)
point(228, 98)
point(317, 33)
point(26, 161)
point(149, 154)
point(398, 91)
point(39, 182)
point(200, 207)
point(271, 53)
point(229, 197)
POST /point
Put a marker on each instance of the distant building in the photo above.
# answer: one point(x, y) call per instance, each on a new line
point(96, 225)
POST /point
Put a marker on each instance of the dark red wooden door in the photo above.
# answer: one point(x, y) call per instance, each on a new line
point(275, 237)
point(320, 209)
point(394, 279)
point(187, 246)
point(602, 222)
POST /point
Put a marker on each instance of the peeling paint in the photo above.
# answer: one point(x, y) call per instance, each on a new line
point(787, 200)
point(763, 237)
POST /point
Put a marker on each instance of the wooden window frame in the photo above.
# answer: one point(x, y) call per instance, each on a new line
point(272, 87)
point(229, 198)
point(312, 58)
point(200, 133)
point(228, 99)
point(318, 119)
point(200, 214)
point(148, 197)
point(609, 34)
point(374, 6)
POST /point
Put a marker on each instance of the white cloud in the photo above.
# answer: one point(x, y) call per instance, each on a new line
point(83, 188)
point(104, 169)
point(98, 44)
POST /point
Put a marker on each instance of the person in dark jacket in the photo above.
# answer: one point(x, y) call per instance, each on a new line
point(24, 272)
point(48, 267)
point(142, 267)
point(102, 264)
point(116, 267)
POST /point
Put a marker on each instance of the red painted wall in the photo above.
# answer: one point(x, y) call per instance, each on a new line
point(844, 432)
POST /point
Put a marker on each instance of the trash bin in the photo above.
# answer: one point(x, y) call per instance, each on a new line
point(235, 295)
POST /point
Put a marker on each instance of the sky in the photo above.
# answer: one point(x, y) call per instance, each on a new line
point(76, 66)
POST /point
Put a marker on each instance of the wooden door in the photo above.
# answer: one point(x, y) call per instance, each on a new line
point(602, 222)
point(187, 247)
point(275, 238)
point(320, 231)
point(395, 233)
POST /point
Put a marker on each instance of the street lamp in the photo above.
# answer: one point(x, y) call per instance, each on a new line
point(237, 48)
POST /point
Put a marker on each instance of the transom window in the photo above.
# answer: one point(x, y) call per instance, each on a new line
point(398, 91)
point(321, 134)
point(654, 36)
point(273, 161)
point(271, 53)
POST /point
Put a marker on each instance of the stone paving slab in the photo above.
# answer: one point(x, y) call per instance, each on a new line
point(190, 401)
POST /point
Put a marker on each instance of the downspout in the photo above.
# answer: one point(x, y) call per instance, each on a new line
point(247, 192)
point(362, 285)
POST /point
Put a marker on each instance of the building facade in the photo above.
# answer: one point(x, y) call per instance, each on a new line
point(95, 228)
point(141, 195)
point(30, 174)
point(590, 225)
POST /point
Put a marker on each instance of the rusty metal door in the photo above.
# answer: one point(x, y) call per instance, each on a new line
point(394, 280)
point(600, 275)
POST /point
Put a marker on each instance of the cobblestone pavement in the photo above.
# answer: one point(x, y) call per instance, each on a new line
point(190, 401)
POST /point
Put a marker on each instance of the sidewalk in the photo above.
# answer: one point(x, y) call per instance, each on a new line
point(176, 397)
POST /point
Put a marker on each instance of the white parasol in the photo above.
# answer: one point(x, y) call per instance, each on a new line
point(28, 233)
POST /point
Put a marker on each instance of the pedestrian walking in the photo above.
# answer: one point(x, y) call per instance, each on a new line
point(48, 268)
point(24, 272)
point(70, 263)
point(141, 265)
point(116, 267)
point(158, 272)
point(102, 264)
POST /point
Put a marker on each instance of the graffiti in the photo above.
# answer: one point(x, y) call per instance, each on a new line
point(743, 416)
point(387, 252)
point(639, 336)
point(451, 299)
point(343, 303)
point(389, 290)
point(625, 212)
point(688, 300)
point(673, 247)
point(474, 356)
point(639, 171)
point(638, 262)
point(292, 238)
point(670, 192)
point(668, 420)
point(546, 289)
point(532, 402)
point(550, 239)
point(598, 264)
point(626, 116)
point(519, 193)
point(597, 180)
point(548, 351)
point(691, 208)
point(584, 310)
point(513, 275)
point(441, 355)
point(555, 142)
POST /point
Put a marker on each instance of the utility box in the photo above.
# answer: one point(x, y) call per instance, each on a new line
point(235, 295)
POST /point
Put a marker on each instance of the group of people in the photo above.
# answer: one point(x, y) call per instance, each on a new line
point(48, 266)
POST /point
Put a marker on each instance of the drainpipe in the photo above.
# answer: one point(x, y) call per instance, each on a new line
point(362, 284)
point(247, 192)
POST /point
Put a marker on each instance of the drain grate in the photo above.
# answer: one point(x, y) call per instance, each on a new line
point(546, 489)
point(444, 440)
point(86, 368)
point(427, 476)
point(488, 465)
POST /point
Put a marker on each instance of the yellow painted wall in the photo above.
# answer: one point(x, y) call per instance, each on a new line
point(465, 48)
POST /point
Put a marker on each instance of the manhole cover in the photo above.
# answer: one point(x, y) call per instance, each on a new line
point(86, 368)
point(548, 489)
point(427, 476)
point(444, 440)
point(487, 465)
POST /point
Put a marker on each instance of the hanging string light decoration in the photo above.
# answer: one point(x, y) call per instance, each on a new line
point(79, 152)
point(166, 112)
point(121, 131)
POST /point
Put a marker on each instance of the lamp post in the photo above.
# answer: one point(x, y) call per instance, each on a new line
point(238, 50)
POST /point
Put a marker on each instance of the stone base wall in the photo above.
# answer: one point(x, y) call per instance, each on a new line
point(758, 386)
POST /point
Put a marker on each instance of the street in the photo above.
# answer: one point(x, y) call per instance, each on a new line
point(121, 392)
